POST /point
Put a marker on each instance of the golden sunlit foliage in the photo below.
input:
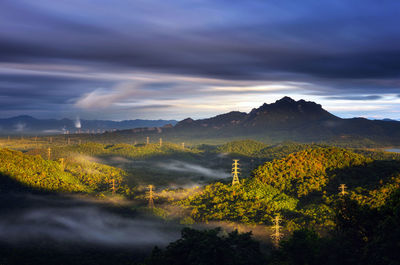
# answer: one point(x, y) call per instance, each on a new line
point(302, 186)
point(125, 150)
point(246, 204)
point(69, 175)
point(306, 171)
point(35, 172)
point(242, 147)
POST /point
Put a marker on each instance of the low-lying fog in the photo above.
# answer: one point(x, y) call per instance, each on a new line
point(181, 166)
point(64, 220)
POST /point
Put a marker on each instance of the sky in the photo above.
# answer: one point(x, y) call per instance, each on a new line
point(151, 59)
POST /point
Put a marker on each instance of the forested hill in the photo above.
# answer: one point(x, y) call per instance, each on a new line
point(320, 170)
point(19, 171)
point(303, 183)
point(286, 119)
point(309, 170)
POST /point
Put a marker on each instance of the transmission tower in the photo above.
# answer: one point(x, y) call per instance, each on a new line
point(49, 153)
point(342, 189)
point(276, 235)
point(113, 186)
point(150, 196)
point(235, 172)
point(62, 165)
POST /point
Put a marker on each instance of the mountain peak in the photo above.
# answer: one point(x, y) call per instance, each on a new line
point(289, 110)
point(185, 122)
point(23, 117)
point(287, 103)
point(285, 99)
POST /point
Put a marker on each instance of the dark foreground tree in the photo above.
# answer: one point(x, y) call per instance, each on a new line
point(209, 248)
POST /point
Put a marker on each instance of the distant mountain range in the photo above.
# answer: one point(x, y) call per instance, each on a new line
point(286, 119)
point(28, 125)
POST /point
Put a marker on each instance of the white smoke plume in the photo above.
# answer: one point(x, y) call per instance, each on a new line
point(78, 124)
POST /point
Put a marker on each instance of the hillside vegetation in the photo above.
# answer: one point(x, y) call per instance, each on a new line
point(307, 171)
point(301, 187)
point(140, 151)
point(69, 175)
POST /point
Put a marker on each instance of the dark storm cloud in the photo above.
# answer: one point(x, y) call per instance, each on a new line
point(350, 47)
point(335, 42)
point(371, 97)
point(32, 94)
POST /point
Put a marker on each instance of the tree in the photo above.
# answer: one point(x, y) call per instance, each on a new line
point(208, 248)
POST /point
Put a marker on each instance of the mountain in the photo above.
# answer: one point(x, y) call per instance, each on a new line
point(284, 113)
point(389, 120)
point(25, 124)
point(285, 119)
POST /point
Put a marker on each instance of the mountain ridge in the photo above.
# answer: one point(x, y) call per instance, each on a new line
point(285, 119)
point(27, 124)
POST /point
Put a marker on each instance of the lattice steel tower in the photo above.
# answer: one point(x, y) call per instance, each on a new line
point(235, 172)
point(150, 196)
point(276, 234)
point(342, 189)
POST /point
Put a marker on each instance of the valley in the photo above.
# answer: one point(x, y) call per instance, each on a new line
point(95, 195)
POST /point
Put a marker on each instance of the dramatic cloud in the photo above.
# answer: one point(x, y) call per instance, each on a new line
point(137, 59)
point(371, 97)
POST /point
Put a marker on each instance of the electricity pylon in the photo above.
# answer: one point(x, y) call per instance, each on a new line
point(147, 140)
point(48, 153)
point(235, 172)
point(62, 165)
point(150, 196)
point(342, 189)
point(276, 234)
point(160, 142)
point(113, 186)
